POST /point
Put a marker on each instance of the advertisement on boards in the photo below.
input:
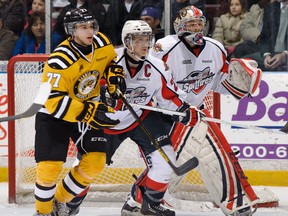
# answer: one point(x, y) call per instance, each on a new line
point(267, 108)
point(3, 109)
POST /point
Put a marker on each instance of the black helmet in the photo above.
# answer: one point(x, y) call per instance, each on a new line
point(79, 15)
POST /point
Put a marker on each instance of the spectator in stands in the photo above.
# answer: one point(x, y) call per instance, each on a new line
point(13, 12)
point(119, 11)
point(58, 5)
point(274, 37)
point(250, 29)
point(37, 5)
point(7, 41)
point(32, 40)
point(95, 6)
point(151, 15)
point(227, 29)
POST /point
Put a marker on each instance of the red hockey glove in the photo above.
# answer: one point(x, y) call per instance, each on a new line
point(193, 115)
point(115, 79)
point(94, 115)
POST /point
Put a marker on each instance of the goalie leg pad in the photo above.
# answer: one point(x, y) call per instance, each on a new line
point(47, 173)
point(216, 167)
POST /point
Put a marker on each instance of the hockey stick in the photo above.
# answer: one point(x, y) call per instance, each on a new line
point(285, 128)
point(181, 170)
point(39, 101)
point(171, 112)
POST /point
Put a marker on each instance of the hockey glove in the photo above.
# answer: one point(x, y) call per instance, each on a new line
point(244, 77)
point(115, 79)
point(94, 115)
point(193, 115)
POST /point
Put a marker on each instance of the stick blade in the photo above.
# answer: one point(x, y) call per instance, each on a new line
point(187, 166)
point(43, 93)
point(39, 101)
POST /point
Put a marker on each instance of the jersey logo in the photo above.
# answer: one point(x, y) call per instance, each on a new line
point(158, 47)
point(196, 81)
point(137, 95)
point(86, 84)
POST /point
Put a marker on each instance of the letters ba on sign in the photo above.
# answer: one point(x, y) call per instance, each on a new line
point(267, 108)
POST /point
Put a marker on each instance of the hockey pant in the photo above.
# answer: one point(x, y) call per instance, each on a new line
point(218, 165)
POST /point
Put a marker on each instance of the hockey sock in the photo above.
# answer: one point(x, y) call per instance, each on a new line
point(46, 174)
point(154, 193)
point(76, 201)
point(80, 176)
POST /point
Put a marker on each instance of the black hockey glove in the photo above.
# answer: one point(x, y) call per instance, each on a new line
point(193, 115)
point(94, 114)
point(115, 79)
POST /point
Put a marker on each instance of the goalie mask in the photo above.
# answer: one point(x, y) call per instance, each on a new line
point(78, 16)
point(137, 34)
point(190, 23)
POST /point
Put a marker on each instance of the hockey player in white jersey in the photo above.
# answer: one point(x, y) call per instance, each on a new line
point(148, 78)
point(198, 65)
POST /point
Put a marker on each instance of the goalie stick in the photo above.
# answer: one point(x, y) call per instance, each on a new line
point(172, 112)
point(39, 101)
point(181, 170)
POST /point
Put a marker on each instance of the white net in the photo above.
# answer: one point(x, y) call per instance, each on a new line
point(113, 184)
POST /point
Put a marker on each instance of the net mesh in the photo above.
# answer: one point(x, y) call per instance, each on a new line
point(113, 183)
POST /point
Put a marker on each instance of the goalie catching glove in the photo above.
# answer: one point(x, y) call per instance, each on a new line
point(193, 115)
point(94, 114)
point(244, 77)
point(115, 79)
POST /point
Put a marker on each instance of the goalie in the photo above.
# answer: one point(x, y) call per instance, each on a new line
point(199, 65)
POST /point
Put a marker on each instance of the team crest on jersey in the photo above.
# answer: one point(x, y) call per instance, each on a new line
point(86, 84)
point(158, 47)
point(196, 81)
point(137, 95)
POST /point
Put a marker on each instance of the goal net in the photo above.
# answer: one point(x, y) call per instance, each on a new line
point(113, 184)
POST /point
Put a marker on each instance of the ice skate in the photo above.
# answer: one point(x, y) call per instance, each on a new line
point(64, 210)
point(130, 208)
point(150, 209)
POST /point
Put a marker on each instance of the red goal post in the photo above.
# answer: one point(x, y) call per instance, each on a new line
point(24, 75)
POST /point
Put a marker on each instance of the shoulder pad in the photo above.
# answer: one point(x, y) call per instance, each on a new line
point(101, 40)
point(62, 57)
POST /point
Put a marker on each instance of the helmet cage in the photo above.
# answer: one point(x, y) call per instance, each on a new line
point(186, 15)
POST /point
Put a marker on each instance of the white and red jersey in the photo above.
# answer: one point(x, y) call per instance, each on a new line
point(195, 70)
point(152, 79)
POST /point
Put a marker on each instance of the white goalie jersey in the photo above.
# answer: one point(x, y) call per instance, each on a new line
point(196, 71)
point(194, 79)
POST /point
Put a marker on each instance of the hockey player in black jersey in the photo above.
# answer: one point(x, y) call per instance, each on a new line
point(73, 111)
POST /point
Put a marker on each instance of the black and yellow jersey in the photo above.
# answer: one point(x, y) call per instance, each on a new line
point(75, 77)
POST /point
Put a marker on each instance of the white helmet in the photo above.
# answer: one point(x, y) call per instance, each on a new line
point(185, 15)
point(135, 28)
